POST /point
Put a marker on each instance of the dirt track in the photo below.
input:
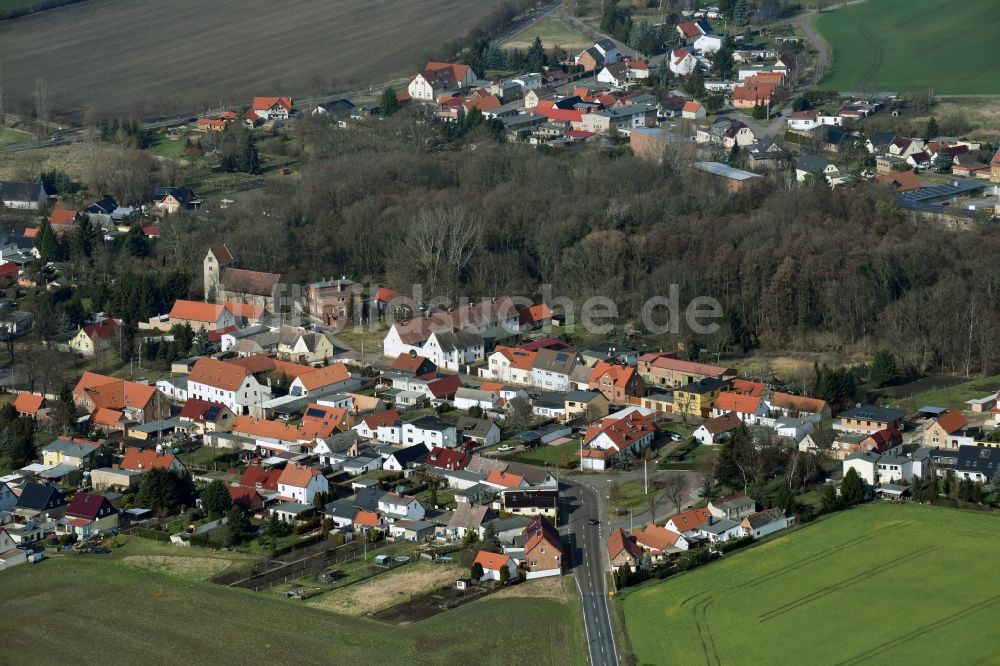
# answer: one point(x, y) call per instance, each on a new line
point(184, 55)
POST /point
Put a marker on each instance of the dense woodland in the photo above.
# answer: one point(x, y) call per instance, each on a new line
point(398, 202)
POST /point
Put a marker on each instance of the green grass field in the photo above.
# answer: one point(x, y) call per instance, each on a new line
point(886, 583)
point(903, 45)
point(9, 137)
point(161, 619)
point(952, 397)
point(553, 32)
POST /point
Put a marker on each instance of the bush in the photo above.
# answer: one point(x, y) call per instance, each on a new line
point(735, 544)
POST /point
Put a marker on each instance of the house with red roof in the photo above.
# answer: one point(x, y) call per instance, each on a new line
point(659, 542)
point(88, 514)
point(717, 428)
point(616, 382)
point(543, 549)
point(143, 460)
point(272, 108)
point(749, 409)
point(259, 478)
point(682, 62)
point(94, 338)
point(30, 404)
point(492, 563)
point(948, 431)
point(413, 365)
point(693, 110)
point(450, 459)
point(209, 416)
point(623, 550)
point(611, 439)
point(384, 426)
point(133, 402)
point(534, 316)
point(665, 369)
point(688, 522)
point(248, 499)
point(438, 78)
point(301, 483)
point(995, 168)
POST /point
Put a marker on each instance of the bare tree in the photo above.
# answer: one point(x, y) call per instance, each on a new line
point(42, 107)
point(3, 106)
point(442, 242)
point(673, 489)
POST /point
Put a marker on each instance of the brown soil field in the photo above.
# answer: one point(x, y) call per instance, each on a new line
point(182, 56)
point(389, 589)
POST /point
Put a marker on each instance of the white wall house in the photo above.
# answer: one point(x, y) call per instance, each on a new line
point(707, 44)
point(301, 484)
point(430, 432)
point(400, 507)
point(231, 385)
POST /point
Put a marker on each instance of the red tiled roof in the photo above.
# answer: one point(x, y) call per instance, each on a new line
point(657, 539)
point(256, 475)
point(384, 418)
point(196, 311)
point(297, 476)
point(62, 217)
point(139, 459)
point(735, 402)
point(196, 409)
point(447, 458)
point(222, 254)
point(264, 103)
point(505, 479)
point(85, 505)
point(690, 520)
point(622, 432)
point(256, 283)
point(334, 373)
point(491, 561)
point(536, 314)
point(952, 421)
point(218, 374)
point(28, 403)
point(798, 403)
point(691, 106)
point(619, 541)
point(408, 363)
point(106, 417)
point(444, 386)
point(101, 330)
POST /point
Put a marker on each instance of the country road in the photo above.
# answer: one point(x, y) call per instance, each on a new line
point(587, 548)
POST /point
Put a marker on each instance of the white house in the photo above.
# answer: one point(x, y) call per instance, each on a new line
point(552, 368)
point(719, 530)
point(529, 82)
point(875, 468)
point(616, 75)
point(465, 398)
point(612, 438)
point(437, 78)
point(321, 381)
point(509, 365)
point(430, 431)
point(766, 522)
point(452, 350)
point(708, 44)
point(401, 507)
point(402, 459)
point(232, 385)
point(492, 563)
point(796, 429)
point(682, 62)
point(385, 426)
point(300, 483)
point(272, 108)
point(10, 556)
point(23, 196)
point(715, 429)
point(747, 408)
point(608, 50)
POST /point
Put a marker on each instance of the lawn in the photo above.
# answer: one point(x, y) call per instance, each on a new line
point(951, 396)
point(564, 455)
point(553, 31)
point(906, 45)
point(885, 583)
point(9, 137)
point(151, 616)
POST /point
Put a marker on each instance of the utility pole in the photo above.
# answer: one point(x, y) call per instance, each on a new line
point(645, 472)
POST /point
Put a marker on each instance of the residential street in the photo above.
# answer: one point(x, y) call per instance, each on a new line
point(587, 550)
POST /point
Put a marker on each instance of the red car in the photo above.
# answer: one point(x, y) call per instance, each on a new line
point(593, 521)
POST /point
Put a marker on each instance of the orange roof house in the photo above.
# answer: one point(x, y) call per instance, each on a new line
point(658, 540)
point(616, 382)
point(95, 391)
point(64, 218)
point(505, 479)
point(218, 374)
point(727, 401)
point(366, 518)
point(140, 460)
point(267, 103)
point(335, 373)
point(902, 181)
point(493, 563)
point(622, 549)
point(688, 520)
point(28, 404)
point(535, 315)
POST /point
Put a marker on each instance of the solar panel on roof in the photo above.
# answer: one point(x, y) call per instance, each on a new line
point(315, 411)
point(212, 412)
point(561, 357)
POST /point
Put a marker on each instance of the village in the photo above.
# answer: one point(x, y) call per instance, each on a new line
point(340, 433)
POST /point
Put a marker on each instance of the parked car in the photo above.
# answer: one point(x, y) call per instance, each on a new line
point(402, 559)
point(593, 521)
point(505, 447)
point(674, 437)
point(34, 558)
point(99, 550)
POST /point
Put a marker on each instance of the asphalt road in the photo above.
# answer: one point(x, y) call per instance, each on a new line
point(589, 570)
point(526, 21)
